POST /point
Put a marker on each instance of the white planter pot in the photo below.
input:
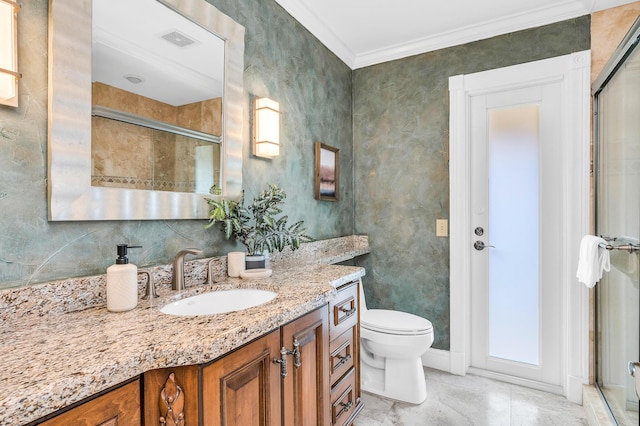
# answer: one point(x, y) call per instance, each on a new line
point(255, 262)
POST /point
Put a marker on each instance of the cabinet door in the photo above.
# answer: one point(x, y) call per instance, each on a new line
point(306, 388)
point(120, 407)
point(243, 387)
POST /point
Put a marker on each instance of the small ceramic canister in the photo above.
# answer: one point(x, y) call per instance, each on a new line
point(235, 263)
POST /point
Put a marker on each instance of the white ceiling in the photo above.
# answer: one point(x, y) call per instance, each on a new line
point(367, 32)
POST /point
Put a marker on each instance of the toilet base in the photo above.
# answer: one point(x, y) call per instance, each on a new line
point(401, 379)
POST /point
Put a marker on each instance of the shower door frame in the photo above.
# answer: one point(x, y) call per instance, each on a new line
point(629, 43)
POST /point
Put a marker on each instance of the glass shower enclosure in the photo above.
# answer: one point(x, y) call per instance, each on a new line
point(617, 163)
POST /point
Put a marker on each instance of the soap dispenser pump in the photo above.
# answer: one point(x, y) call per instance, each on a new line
point(122, 282)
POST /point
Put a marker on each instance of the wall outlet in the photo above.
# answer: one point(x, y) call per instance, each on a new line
point(442, 228)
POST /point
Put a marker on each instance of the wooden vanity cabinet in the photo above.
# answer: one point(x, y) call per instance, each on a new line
point(119, 407)
point(248, 388)
point(344, 355)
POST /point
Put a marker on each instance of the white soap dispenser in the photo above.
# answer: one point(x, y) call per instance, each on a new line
point(122, 282)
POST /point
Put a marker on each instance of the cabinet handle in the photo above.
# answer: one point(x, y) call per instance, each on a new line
point(343, 359)
point(347, 312)
point(297, 362)
point(283, 358)
point(346, 406)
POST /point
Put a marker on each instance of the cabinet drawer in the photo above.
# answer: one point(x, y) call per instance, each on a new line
point(343, 399)
point(117, 407)
point(344, 311)
point(342, 351)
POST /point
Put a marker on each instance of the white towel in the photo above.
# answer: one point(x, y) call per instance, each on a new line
point(592, 261)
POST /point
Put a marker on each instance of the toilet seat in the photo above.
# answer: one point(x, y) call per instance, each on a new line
point(395, 322)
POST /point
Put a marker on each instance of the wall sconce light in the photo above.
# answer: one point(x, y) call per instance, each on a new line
point(9, 53)
point(266, 130)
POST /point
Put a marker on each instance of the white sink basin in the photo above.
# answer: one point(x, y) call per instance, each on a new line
point(219, 302)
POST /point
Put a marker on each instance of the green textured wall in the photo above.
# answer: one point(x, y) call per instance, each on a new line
point(282, 61)
point(399, 139)
point(401, 147)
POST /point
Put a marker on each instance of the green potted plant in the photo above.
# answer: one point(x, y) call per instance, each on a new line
point(256, 225)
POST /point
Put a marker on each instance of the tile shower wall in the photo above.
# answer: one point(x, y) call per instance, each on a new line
point(401, 121)
point(161, 160)
point(282, 61)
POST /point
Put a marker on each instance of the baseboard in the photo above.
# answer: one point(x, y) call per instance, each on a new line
point(533, 384)
point(437, 359)
point(574, 388)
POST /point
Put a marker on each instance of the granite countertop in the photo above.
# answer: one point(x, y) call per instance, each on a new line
point(51, 361)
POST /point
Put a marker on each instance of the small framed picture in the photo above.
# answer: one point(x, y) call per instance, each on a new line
point(327, 185)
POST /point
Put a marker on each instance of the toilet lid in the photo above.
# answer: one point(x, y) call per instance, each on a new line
point(394, 322)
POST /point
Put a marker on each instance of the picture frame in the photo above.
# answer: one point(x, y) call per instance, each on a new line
point(327, 173)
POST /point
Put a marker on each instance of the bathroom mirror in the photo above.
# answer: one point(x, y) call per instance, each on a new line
point(71, 194)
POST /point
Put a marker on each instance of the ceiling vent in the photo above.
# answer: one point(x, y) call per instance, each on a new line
point(178, 39)
point(135, 79)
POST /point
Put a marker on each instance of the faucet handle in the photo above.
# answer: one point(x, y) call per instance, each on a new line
point(150, 292)
point(210, 279)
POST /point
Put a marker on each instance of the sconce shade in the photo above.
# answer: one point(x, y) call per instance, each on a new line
point(266, 128)
point(8, 53)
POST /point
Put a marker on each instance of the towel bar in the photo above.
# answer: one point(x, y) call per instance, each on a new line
point(631, 248)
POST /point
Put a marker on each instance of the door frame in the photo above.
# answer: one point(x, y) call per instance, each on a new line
point(573, 71)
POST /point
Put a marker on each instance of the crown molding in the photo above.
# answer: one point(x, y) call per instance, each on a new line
point(483, 30)
point(480, 31)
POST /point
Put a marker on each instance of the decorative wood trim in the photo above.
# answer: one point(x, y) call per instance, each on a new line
point(155, 381)
point(171, 403)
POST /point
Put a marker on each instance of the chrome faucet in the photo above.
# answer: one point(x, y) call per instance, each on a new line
point(177, 281)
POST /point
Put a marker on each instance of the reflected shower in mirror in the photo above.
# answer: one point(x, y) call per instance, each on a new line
point(156, 99)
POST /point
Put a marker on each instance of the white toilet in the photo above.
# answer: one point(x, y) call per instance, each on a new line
point(391, 346)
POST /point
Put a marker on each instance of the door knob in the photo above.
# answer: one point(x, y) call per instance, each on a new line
point(479, 245)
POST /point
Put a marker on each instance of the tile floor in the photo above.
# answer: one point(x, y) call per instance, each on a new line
point(472, 400)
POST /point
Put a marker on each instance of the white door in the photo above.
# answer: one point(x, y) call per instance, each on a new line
point(519, 170)
point(516, 314)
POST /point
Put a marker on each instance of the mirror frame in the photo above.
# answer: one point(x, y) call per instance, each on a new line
point(70, 194)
